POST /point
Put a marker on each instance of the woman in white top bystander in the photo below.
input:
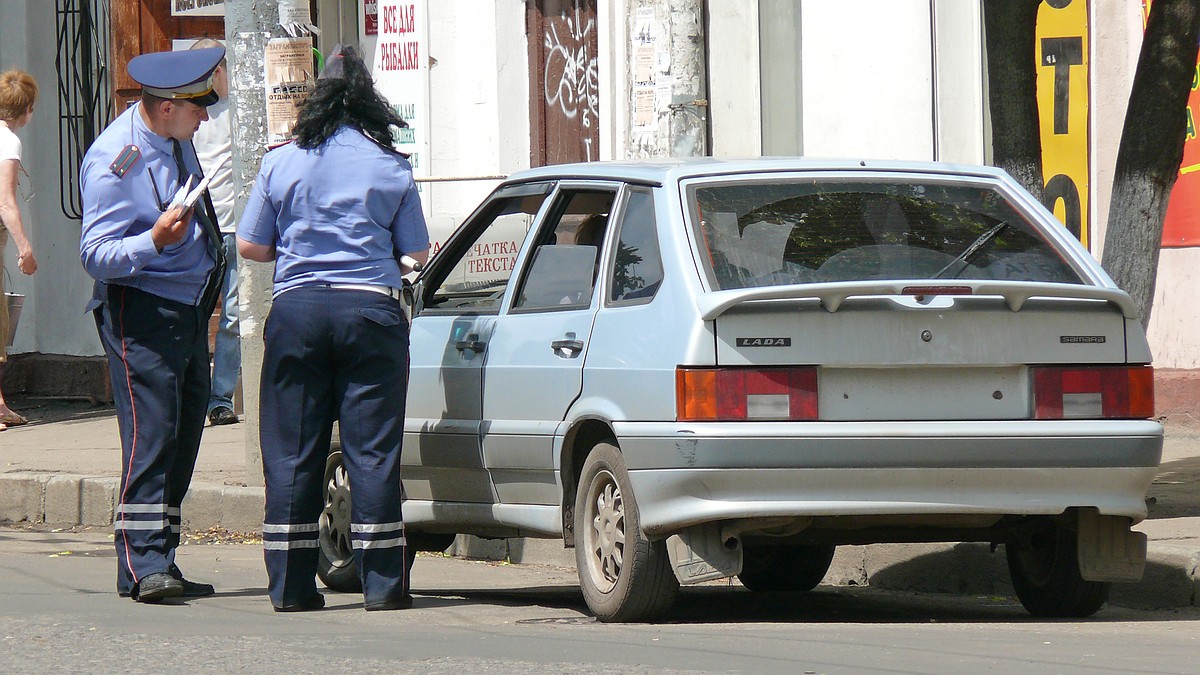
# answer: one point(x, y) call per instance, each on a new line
point(18, 93)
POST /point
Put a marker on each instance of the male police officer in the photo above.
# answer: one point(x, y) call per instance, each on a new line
point(157, 272)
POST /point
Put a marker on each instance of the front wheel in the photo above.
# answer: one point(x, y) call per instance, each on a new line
point(623, 575)
point(1044, 566)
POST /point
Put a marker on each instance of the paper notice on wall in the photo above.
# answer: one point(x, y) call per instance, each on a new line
point(645, 77)
point(663, 96)
point(643, 21)
point(296, 18)
point(294, 11)
point(289, 77)
point(643, 107)
point(643, 65)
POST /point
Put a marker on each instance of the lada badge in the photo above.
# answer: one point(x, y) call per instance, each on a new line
point(764, 342)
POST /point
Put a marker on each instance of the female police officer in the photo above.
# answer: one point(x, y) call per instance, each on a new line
point(336, 209)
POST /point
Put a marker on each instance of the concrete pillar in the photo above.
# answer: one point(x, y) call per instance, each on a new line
point(668, 106)
point(248, 26)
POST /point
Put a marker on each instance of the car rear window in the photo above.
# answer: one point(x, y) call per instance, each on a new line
point(765, 233)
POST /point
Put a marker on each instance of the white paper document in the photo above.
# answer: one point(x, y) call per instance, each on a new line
point(187, 196)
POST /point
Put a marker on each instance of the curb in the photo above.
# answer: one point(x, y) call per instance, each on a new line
point(1171, 579)
point(69, 500)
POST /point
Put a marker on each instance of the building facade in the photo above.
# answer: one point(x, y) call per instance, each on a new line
point(494, 87)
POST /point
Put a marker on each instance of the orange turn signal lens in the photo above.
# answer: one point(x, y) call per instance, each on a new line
point(744, 394)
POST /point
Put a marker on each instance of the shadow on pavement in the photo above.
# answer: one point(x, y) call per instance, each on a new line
point(712, 604)
point(1176, 489)
point(40, 410)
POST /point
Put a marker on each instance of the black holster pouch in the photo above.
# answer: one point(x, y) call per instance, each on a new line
point(213, 287)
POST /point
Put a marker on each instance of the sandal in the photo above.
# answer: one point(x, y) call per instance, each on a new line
point(12, 419)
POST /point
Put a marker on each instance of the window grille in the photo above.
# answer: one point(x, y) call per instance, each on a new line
point(84, 92)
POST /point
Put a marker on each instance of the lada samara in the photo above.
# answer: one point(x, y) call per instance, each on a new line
point(696, 369)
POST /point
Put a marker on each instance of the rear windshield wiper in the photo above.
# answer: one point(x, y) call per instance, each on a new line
point(973, 251)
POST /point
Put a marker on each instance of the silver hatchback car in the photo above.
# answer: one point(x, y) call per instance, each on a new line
point(696, 369)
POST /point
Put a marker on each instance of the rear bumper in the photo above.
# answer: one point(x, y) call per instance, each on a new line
point(688, 474)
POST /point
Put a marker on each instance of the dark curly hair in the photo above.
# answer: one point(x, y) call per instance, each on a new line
point(345, 95)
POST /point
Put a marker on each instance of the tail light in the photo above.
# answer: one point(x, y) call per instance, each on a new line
point(740, 394)
point(1097, 392)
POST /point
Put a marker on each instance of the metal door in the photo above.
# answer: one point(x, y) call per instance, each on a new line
point(564, 97)
point(140, 27)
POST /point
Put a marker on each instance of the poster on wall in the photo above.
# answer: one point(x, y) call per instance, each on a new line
point(400, 65)
point(645, 118)
point(370, 17)
point(1181, 228)
point(289, 76)
point(197, 7)
point(1063, 102)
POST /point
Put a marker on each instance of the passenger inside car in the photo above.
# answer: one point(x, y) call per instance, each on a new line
point(590, 232)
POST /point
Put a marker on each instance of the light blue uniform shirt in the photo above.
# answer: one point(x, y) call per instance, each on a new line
point(342, 213)
point(118, 213)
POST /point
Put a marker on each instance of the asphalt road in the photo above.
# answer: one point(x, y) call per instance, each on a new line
point(59, 612)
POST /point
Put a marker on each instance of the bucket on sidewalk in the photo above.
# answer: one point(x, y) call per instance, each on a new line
point(15, 301)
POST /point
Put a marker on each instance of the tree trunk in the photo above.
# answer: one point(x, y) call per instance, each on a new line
point(1009, 31)
point(1151, 148)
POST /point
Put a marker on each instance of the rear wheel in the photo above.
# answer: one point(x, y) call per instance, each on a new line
point(797, 568)
point(623, 575)
point(1044, 566)
point(335, 554)
point(335, 558)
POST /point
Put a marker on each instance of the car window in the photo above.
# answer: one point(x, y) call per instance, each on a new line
point(566, 254)
point(483, 263)
point(772, 233)
point(637, 269)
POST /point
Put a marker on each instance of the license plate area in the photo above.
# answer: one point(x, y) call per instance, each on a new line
point(925, 393)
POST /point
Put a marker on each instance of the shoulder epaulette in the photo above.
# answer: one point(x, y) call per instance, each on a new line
point(125, 160)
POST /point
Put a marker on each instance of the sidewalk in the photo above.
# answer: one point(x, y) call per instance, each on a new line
point(63, 467)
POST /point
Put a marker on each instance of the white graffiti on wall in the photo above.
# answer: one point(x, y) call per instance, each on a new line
point(571, 71)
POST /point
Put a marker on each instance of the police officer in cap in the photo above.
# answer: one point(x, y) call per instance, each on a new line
point(157, 270)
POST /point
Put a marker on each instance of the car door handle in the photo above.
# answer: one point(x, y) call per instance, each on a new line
point(472, 343)
point(572, 346)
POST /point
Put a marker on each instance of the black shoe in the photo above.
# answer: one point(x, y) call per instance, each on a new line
point(191, 589)
point(315, 602)
point(221, 416)
point(403, 602)
point(154, 588)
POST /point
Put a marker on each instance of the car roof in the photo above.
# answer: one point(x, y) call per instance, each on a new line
point(668, 170)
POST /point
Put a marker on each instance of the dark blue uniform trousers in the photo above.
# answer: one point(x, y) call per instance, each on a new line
point(158, 363)
point(333, 354)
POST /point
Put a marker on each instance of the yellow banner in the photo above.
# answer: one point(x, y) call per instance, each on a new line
point(1063, 101)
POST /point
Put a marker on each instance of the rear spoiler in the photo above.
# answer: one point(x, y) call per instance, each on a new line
point(832, 295)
